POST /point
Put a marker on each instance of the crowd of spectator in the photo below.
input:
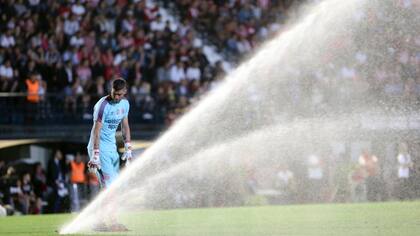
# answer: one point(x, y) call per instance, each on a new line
point(234, 27)
point(63, 185)
point(73, 49)
point(329, 177)
point(387, 66)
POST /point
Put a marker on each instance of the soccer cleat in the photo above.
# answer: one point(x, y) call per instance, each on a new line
point(117, 227)
point(101, 227)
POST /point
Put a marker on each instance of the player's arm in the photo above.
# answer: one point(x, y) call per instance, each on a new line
point(97, 126)
point(95, 162)
point(125, 128)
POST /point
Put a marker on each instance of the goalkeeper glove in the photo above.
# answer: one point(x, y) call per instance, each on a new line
point(94, 162)
point(127, 155)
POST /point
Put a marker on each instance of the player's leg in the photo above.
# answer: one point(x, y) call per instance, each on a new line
point(101, 226)
point(115, 226)
point(109, 172)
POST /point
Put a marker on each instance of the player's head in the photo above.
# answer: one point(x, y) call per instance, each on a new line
point(119, 89)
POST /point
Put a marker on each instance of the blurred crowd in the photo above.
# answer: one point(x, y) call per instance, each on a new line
point(234, 27)
point(385, 66)
point(74, 48)
point(64, 185)
point(373, 175)
point(64, 53)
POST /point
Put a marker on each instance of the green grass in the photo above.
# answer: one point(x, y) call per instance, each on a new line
point(392, 218)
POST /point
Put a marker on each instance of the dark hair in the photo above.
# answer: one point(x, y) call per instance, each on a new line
point(119, 84)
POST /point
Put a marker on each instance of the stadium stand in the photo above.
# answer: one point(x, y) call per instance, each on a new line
point(73, 48)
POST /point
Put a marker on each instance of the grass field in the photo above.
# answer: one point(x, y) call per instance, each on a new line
point(392, 218)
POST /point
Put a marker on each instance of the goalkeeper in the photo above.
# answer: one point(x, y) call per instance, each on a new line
point(109, 112)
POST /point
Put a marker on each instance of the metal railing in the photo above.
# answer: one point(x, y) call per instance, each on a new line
point(55, 115)
point(59, 109)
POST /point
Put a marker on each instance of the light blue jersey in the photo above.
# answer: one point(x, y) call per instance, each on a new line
point(110, 114)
